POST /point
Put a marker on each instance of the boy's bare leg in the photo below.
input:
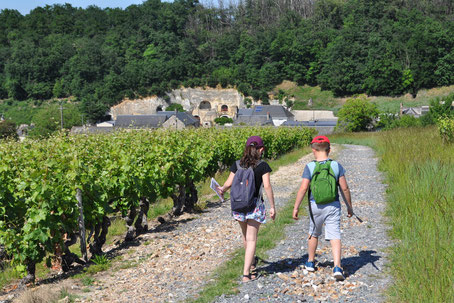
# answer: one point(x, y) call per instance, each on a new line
point(336, 248)
point(313, 242)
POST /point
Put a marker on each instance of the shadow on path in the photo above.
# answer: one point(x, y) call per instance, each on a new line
point(350, 264)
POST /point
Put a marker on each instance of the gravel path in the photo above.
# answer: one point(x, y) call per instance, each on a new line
point(363, 255)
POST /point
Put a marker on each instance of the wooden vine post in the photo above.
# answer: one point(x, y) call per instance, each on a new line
point(83, 244)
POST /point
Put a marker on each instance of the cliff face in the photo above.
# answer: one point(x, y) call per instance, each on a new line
point(206, 104)
point(191, 98)
point(146, 106)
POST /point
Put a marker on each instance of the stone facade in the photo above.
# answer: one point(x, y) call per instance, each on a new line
point(174, 123)
point(145, 106)
point(205, 104)
point(311, 115)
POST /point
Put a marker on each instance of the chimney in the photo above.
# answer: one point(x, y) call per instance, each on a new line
point(401, 109)
point(267, 116)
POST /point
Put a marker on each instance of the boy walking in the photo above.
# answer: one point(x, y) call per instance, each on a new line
point(322, 178)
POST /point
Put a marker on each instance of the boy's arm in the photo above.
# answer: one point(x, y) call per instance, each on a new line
point(299, 197)
point(346, 194)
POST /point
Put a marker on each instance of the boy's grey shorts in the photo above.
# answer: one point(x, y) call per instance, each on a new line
point(329, 214)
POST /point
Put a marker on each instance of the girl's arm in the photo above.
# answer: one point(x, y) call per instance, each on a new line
point(269, 193)
point(227, 184)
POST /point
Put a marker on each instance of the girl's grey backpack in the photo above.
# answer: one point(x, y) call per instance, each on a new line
point(243, 190)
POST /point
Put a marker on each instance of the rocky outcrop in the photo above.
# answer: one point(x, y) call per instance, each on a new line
point(145, 106)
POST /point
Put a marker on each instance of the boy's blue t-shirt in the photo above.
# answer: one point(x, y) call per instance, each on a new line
point(338, 174)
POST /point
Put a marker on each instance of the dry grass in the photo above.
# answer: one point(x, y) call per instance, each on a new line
point(42, 294)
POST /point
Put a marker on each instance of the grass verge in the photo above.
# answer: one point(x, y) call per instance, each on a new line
point(363, 138)
point(420, 174)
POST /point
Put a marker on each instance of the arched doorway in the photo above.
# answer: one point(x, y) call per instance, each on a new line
point(224, 108)
point(159, 109)
point(205, 105)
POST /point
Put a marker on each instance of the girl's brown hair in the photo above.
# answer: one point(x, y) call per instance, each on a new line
point(251, 156)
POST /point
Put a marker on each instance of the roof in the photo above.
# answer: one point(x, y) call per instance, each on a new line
point(253, 120)
point(184, 117)
point(187, 118)
point(140, 121)
point(310, 123)
point(90, 130)
point(245, 112)
point(275, 111)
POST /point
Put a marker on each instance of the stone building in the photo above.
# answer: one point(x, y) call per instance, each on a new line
point(204, 104)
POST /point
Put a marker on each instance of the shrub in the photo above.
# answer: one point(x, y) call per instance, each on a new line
point(175, 106)
point(8, 129)
point(223, 120)
point(356, 114)
point(446, 129)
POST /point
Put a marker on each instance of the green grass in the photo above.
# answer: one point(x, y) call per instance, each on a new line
point(289, 158)
point(321, 100)
point(392, 104)
point(161, 207)
point(363, 138)
point(8, 275)
point(420, 174)
point(226, 277)
point(21, 112)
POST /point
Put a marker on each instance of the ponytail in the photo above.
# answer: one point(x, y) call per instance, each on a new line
point(251, 156)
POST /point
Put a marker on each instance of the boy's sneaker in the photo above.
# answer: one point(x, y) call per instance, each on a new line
point(338, 274)
point(310, 265)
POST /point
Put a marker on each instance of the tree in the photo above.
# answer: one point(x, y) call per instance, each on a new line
point(356, 114)
point(175, 107)
point(48, 120)
point(8, 129)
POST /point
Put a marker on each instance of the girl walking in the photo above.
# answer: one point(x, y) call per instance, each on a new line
point(250, 220)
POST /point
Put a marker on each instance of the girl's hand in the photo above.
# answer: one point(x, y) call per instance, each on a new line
point(220, 189)
point(273, 213)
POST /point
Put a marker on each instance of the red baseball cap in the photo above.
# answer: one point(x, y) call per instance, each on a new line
point(320, 139)
point(255, 139)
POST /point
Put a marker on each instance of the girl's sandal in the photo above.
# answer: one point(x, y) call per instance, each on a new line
point(251, 277)
point(254, 263)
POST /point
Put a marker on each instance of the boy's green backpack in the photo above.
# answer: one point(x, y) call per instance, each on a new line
point(323, 184)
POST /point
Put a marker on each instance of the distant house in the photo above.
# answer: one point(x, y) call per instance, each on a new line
point(323, 127)
point(106, 124)
point(264, 115)
point(140, 121)
point(414, 111)
point(177, 120)
point(90, 130)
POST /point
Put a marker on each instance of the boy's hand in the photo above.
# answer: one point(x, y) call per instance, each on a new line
point(273, 213)
point(295, 213)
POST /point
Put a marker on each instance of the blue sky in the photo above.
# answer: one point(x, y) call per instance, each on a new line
point(24, 6)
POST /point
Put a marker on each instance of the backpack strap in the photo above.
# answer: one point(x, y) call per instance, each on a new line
point(238, 166)
point(311, 166)
point(335, 167)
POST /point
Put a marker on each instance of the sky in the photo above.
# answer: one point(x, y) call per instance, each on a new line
point(24, 6)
